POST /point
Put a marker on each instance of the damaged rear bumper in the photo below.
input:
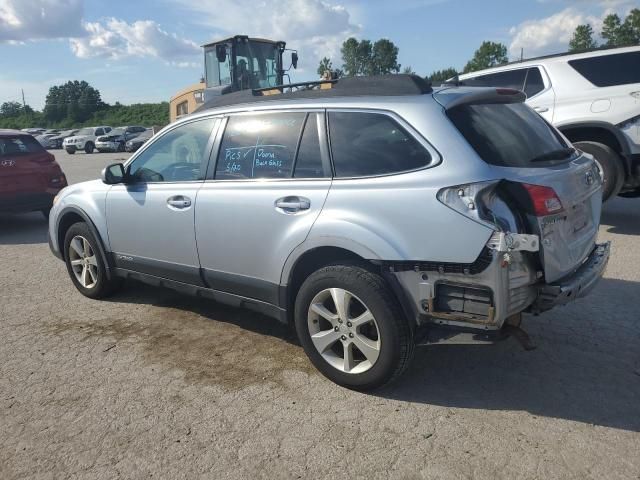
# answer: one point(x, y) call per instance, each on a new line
point(576, 285)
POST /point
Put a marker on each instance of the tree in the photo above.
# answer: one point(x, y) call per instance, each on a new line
point(488, 55)
point(631, 27)
point(439, 76)
point(364, 58)
point(611, 27)
point(324, 66)
point(75, 102)
point(11, 109)
point(582, 39)
point(384, 58)
point(408, 70)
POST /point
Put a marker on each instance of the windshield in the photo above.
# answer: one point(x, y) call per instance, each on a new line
point(117, 131)
point(85, 131)
point(510, 135)
point(256, 65)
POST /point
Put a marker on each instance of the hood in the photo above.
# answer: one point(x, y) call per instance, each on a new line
point(78, 137)
point(110, 138)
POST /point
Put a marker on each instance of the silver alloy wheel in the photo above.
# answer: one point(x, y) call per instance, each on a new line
point(343, 330)
point(83, 261)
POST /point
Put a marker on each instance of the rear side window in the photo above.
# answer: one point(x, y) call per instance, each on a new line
point(510, 135)
point(610, 70)
point(19, 145)
point(99, 131)
point(534, 83)
point(259, 146)
point(509, 79)
point(365, 144)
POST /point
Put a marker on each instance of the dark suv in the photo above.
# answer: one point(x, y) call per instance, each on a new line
point(30, 177)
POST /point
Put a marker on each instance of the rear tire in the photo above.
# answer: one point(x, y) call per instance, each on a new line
point(88, 148)
point(85, 265)
point(610, 164)
point(70, 151)
point(357, 353)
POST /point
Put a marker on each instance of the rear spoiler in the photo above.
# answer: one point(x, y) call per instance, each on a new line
point(482, 96)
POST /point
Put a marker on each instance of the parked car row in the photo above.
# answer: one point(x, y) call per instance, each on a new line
point(89, 139)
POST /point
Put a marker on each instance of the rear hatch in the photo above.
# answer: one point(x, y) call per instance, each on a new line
point(25, 166)
point(554, 188)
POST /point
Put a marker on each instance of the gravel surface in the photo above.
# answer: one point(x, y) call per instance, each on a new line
point(155, 384)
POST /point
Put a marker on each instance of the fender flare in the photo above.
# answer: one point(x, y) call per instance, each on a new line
point(614, 130)
point(94, 231)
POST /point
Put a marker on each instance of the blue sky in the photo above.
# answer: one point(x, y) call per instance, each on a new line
point(146, 50)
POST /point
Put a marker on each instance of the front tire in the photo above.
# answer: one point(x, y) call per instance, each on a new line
point(610, 165)
point(88, 148)
point(352, 328)
point(85, 265)
point(70, 151)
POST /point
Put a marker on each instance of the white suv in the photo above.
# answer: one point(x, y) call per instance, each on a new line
point(594, 100)
point(85, 139)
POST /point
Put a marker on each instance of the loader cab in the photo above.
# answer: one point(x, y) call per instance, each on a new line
point(240, 63)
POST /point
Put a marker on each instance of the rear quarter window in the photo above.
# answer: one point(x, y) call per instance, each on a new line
point(368, 144)
point(609, 70)
point(19, 145)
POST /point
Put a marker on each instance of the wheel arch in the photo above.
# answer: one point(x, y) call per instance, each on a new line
point(70, 215)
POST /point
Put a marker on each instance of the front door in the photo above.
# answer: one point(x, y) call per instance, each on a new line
point(271, 179)
point(150, 219)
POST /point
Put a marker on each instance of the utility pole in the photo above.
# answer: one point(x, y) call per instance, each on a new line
point(24, 104)
point(521, 53)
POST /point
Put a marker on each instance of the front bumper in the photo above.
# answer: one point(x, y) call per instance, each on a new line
point(576, 285)
point(107, 146)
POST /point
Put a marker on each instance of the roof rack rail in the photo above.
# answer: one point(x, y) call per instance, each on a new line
point(379, 85)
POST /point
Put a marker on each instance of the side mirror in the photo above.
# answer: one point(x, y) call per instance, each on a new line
point(113, 174)
point(221, 53)
point(294, 59)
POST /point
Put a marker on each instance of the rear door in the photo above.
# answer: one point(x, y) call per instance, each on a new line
point(540, 94)
point(269, 185)
point(528, 152)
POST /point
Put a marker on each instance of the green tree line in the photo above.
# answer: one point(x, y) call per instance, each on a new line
point(78, 104)
point(615, 33)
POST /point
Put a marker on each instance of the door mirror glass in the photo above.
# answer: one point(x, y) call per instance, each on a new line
point(113, 174)
point(294, 59)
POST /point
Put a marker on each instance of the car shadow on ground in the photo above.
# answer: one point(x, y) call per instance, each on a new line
point(585, 369)
point(622, 216)
point(28, 228)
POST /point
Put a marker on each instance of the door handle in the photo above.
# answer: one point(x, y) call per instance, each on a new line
point(292, 204)
point(179, 202)
point(541, 109)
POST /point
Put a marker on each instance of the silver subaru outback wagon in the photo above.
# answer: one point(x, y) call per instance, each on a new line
point(364, 214)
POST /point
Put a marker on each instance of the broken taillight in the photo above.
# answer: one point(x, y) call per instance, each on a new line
point(545, 201)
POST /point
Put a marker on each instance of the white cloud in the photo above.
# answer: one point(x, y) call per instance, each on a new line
point(116, 39)
point(22, 20)
point(313, 27)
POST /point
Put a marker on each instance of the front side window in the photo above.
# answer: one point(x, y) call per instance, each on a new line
point(182, 108)
point(610, 70)
point(259, 146)
point(179, 155)
point(365, 144)
point(99, 131)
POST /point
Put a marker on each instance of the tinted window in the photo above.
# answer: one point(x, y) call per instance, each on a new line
point(534, 83)
point(510, 135)
point(99, 131)
point(609, 70)
point(364, 144)
point(309, 161)
point(259, 146)
point(510, 79)
point(179, 155)
point(19, 145)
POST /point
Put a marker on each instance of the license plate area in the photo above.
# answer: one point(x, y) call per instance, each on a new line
point(579, 218)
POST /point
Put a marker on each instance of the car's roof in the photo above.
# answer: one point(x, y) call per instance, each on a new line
point(8, 132)
point(555, 58)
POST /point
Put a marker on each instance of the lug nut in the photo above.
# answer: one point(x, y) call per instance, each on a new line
point(349, 324)
point(351, 335)
point(335, 329)
point(343, 337)
point(339, 320)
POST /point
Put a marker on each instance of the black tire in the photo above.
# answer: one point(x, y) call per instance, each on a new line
point(70, 151)
point(88, 148)
point(120, 147)
point(611, 164)
point(103, 286)
point(394, 333)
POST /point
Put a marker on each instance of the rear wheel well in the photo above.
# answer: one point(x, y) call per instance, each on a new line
point(314, 260)
point(593, 134)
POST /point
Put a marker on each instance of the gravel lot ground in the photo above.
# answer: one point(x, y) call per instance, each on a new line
point(154, 384)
